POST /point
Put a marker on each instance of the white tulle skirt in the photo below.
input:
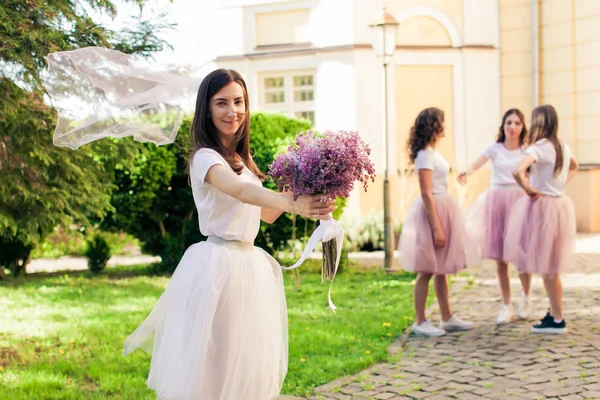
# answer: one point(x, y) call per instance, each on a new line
point(219, 331)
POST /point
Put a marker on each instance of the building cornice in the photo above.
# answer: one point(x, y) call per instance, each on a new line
point(304, 49)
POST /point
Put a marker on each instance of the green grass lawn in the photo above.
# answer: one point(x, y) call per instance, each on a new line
point(61, 335)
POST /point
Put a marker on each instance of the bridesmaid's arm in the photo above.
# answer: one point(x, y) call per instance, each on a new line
point(573, 168)
point(425, 183)
point(480, 162)
point(519, 175)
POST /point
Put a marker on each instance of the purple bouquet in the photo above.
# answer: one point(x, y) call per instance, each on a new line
point(324, 164)
point(328, 164)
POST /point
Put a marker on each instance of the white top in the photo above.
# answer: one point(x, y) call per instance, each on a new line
point(218, 213)
point(504, 162)
point(542, 172)
point(431, 159)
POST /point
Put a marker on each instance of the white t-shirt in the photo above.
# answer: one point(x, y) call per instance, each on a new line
point(431, 159)
point(218, 213)
point(542, 172)
point(504, 162)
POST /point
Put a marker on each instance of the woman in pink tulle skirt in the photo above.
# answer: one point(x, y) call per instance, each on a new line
point(488, 216)
point(541, 230)
point(434, 240)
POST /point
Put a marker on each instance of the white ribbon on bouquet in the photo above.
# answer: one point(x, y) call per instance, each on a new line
point(326, 231)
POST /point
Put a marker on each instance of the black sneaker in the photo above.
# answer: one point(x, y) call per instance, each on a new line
point(547, 317)
point(547, 325)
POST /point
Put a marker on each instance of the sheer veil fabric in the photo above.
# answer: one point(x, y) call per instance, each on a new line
point(101, 93)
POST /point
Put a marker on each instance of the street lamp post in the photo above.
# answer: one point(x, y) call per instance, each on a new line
point(385, 29)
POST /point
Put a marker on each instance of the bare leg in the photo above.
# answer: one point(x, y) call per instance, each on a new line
point(526, 283)
point(440, 283)
point(553, 287)
point(421, 290)
point(504, 280)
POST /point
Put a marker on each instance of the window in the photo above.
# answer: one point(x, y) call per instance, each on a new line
point(291, 93)
point(309, 115)
point(274, 90)
point(303, 88)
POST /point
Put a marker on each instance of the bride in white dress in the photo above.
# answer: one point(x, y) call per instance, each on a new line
point(219, 331)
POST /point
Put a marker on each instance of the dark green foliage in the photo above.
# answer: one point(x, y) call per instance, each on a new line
point(42, 186)
point(97, 253)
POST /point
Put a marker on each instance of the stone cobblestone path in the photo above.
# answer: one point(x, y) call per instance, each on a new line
point(491, 362)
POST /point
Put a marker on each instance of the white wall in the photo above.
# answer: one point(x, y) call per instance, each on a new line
point(229, 31)
point(365, 13)
point(330, 23)
point(481, 22)
point(369, 103)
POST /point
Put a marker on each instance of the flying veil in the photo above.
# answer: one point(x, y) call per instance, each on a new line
point(99, 92)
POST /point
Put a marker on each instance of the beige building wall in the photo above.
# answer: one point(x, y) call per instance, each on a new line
point(515, 55)
point(419, 87)
point(453, 8)
point(569, 66)
point(584, 190)
point(570, 48)
point(586, 75)
point(557, 64)
point(422, 31)
point(569, 79)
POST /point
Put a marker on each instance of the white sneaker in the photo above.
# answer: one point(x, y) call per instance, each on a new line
point(505, 315)
point(456, 324)
point(524, 306)
point(426, 329)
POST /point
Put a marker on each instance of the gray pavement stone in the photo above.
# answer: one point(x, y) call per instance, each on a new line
point(497, 362)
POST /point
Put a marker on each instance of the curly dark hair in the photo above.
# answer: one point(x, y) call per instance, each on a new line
point(502, 136)
point(428, 125)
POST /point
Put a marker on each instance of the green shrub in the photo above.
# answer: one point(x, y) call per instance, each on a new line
point(97, 253)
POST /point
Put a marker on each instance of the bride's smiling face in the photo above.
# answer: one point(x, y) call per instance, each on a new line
point(228, 110)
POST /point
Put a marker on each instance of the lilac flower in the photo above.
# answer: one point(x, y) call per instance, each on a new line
point(328, 163)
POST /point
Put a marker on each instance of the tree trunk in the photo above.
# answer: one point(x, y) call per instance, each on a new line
point(20, 264)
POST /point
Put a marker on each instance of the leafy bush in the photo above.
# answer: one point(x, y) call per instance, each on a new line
point(97, 253)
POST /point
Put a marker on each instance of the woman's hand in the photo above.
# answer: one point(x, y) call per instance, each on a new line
point(534, 194)
point(462, 178)
point(315, 206)
point(439, 239)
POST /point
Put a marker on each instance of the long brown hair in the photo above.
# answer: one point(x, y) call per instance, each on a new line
point(204, 132)
point(428, 125)
point(502, 135)
point(544, 125)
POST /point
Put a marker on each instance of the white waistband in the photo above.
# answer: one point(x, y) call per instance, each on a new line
point(220, 240)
